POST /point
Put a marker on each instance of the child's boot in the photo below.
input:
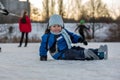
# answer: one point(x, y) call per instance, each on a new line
point(103, 52)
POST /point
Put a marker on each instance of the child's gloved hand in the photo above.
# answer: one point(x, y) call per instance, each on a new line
point(43, 58)
point(85, 42)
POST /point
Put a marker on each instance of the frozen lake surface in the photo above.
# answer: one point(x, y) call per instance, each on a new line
point(23, 64)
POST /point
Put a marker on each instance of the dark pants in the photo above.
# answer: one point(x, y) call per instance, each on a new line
point(77, 53)
point(0, 49)
point(26, 40)
point(82, 34)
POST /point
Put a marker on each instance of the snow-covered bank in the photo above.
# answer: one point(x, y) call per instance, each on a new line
point(101, 30)
point(23, 64)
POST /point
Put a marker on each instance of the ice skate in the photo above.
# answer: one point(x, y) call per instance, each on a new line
point(103, 52)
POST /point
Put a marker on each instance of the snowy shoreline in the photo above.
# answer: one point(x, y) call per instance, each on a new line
point(101, 31)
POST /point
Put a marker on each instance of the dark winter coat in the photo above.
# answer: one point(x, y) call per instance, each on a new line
point(25, 27)
point(49, 39)
point(81, 29)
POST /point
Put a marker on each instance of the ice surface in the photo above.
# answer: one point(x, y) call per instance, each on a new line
point(23, 64)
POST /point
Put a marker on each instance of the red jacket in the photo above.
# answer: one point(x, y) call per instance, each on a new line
point(25, 27)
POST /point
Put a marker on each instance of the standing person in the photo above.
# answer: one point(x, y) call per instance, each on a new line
point(81, 28)
point(24, 27)
point(57, 40)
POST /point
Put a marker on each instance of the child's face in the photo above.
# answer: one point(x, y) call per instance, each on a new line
point(56, 28)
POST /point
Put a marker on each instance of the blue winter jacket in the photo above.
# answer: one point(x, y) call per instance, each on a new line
point(61, 44)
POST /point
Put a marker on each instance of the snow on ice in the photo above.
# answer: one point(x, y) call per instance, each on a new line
point(22, 63)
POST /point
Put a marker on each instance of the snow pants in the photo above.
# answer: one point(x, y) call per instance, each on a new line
point(79, 53)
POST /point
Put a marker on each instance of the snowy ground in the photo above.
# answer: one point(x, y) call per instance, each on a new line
point(23, 64)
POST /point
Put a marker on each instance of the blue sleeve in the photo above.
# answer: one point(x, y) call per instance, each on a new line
point(43, 47)
point(74, 37)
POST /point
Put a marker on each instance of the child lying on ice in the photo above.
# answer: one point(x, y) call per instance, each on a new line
point(57, 40)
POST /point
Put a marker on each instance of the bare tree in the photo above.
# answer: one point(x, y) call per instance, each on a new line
point(79, 8)
point(96, 9)
point(35, 14)
point(45, 9)
point(61, 7)
point(52, 6)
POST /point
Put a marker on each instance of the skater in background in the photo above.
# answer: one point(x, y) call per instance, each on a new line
point(81, 28)
point(57, 40)
point(25, 28)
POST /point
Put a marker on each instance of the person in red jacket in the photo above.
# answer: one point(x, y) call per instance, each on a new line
point(24, 27)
